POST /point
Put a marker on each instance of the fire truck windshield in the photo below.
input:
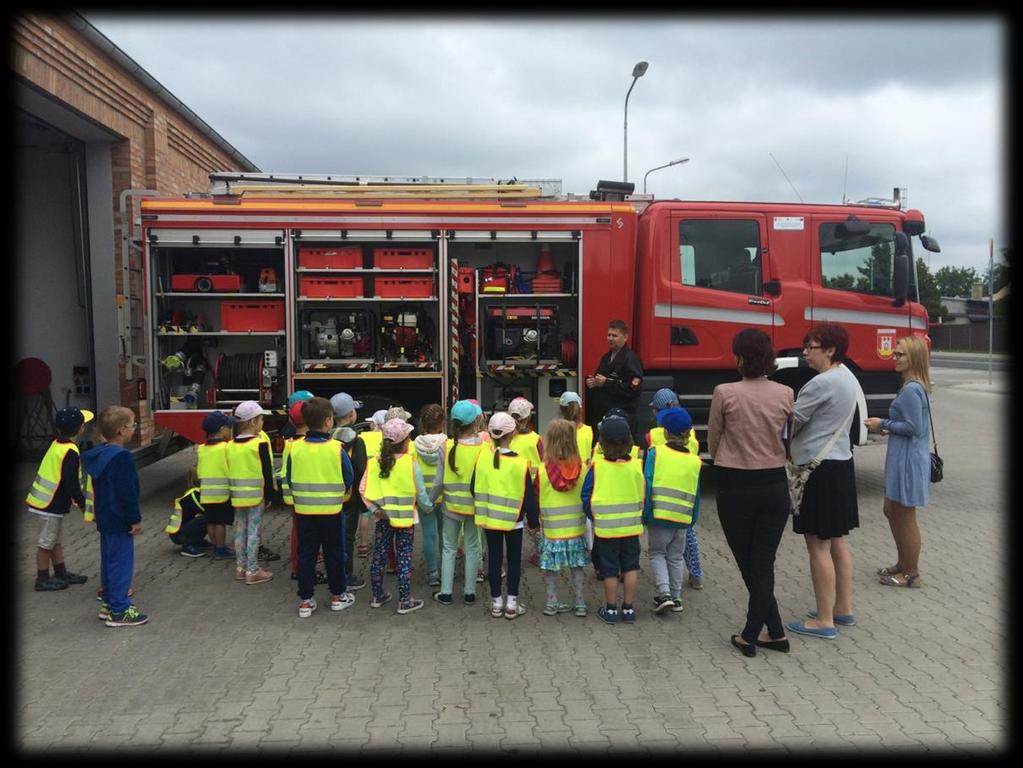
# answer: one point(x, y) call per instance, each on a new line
point(859, 263)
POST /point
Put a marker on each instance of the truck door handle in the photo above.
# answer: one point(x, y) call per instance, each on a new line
point(682, 336)
point(772, 287)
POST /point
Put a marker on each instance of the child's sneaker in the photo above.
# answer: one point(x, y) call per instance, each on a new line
point(662, 603)
point(50, 585)
point(629, 615)
point(696, 582)
point(376, 602)
point(131, 617)
point(469, 598)
point(104, 611)
point(497, 608)
point(677, 606)
point(433, 579)
point(342, 601)
point(552, 609)
point(239, 574)
point(580, 610)
point(443, 599)
point(608, 615)
point(73, 578)
point(355, 583)
point(415, 605)
point(514, 610)
point(223, 553)
point(479, 576)
point(258, 576)
point(306, 608)
point(266, 554)
point(191, 550)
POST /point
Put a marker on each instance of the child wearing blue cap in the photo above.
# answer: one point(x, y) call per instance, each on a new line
point(662, 400)
point(671, 506)
point(56, 486)
point(214, 486)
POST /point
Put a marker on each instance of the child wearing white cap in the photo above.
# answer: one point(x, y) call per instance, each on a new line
point(372, 438)
point(252, 483)
point(526, 442)
point(505, 497)
point(393, 490)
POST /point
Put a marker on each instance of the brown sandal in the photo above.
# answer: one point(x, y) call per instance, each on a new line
point(901, 580)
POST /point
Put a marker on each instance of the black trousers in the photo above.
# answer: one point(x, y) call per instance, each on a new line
point(496, 542)
point(753, 506)
point(351, 524)
point(193, 532)
point(315, 531)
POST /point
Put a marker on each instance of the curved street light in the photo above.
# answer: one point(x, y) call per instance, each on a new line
point(637, 72)
point(677, 161)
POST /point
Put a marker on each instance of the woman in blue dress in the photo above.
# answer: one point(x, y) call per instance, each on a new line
point(907, 466)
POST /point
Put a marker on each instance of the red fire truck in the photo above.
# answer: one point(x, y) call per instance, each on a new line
point(420, 290)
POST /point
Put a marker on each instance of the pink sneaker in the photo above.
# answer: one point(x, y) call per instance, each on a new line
point(258, 576)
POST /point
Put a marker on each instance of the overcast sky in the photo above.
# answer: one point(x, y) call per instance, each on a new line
point(911, 102)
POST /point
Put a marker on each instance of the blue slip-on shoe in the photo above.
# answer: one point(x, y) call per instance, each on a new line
point(828, 633)
point(608, 616)
point(846, 619)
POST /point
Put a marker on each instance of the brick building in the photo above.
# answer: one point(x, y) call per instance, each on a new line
point(90, 124)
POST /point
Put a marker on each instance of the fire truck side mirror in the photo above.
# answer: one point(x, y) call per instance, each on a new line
point(901, 268)
point(930, 244)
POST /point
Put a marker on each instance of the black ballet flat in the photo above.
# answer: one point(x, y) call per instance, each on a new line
point(775, 645)
point(747, 650)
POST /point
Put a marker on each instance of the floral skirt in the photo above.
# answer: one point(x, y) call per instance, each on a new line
point(558, 554)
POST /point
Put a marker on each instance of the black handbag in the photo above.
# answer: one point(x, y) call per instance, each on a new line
point(937, 463)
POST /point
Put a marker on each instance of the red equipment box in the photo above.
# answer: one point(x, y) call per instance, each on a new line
point(345, 257)
point(330, 287)
point(403, 258)
point(252, 315)
point(206, 283)
point(404, 287)
point(465, 279)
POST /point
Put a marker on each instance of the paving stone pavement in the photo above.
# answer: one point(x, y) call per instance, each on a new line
point(225, 668)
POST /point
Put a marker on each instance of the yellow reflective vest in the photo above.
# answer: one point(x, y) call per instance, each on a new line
point(584, 439)
point(429, 471)
point(47, 478)
point(675, 483)
point(526, 445)
point(656, 437)
point(90, 497)
point(213, 473)
point(245, 472)
point(561, 512)
point(455, 486)
point(500, 492)
point(617, 502)
point(598, 451)
point(396, 493)
point(373, 439)
point(174, 524)
point(317, 484)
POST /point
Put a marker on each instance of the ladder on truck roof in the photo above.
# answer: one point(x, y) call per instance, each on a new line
point(333, 185)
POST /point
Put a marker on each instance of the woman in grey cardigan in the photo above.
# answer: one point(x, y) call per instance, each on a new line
point(824, 406)
point(907, 464)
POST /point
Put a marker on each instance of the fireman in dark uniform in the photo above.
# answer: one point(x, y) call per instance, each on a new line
point(617, 380)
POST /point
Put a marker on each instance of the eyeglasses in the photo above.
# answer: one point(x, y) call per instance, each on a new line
point(898, 355)
point(812, 346)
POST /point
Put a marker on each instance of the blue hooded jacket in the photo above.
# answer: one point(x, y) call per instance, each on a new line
point(115, 483)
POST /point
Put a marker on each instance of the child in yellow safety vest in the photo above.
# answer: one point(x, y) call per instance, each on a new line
point(505, 495)
point(212, 472)
point(57, 485)
point(563, 546)
point(612, 497)
point(457, 506)
point(570, 405)
point(298, 432)
point(526, 442)
point(393, 490)
point(662, 400)
point(372, 437)
point(252, 484)
point(672, 505)
point(187, 524)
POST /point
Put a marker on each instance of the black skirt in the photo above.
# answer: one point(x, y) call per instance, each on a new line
point(829, 506)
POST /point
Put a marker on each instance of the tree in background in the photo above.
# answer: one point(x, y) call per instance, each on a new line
point(930, 296)
point(956, 281)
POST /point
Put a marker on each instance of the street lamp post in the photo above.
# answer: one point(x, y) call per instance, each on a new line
point(677, 161)
point(637, 72)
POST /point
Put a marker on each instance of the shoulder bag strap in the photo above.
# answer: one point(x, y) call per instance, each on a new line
point(934, 437)
point(834, 438)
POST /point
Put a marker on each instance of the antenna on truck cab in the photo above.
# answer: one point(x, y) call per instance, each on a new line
point(787, 178)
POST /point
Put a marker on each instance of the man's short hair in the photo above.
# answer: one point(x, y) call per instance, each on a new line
point(619, 325)
point(112, 418)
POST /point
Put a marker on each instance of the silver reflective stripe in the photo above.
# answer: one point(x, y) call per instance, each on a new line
point(573, 509)
point(319, 501)
point(570, 522)
point(35, 494)
point(672, 493)
point(45, 483)
point(452, 495)
point(401, 514)
point(400, 501)
point(502, 501)
point(246, 494)
point(670, 506)
point(315, 486)
point(611, 509)
point(214, 481)
point(455, 487)
point(500, 514)
point(622, 522)
point(246, 482)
